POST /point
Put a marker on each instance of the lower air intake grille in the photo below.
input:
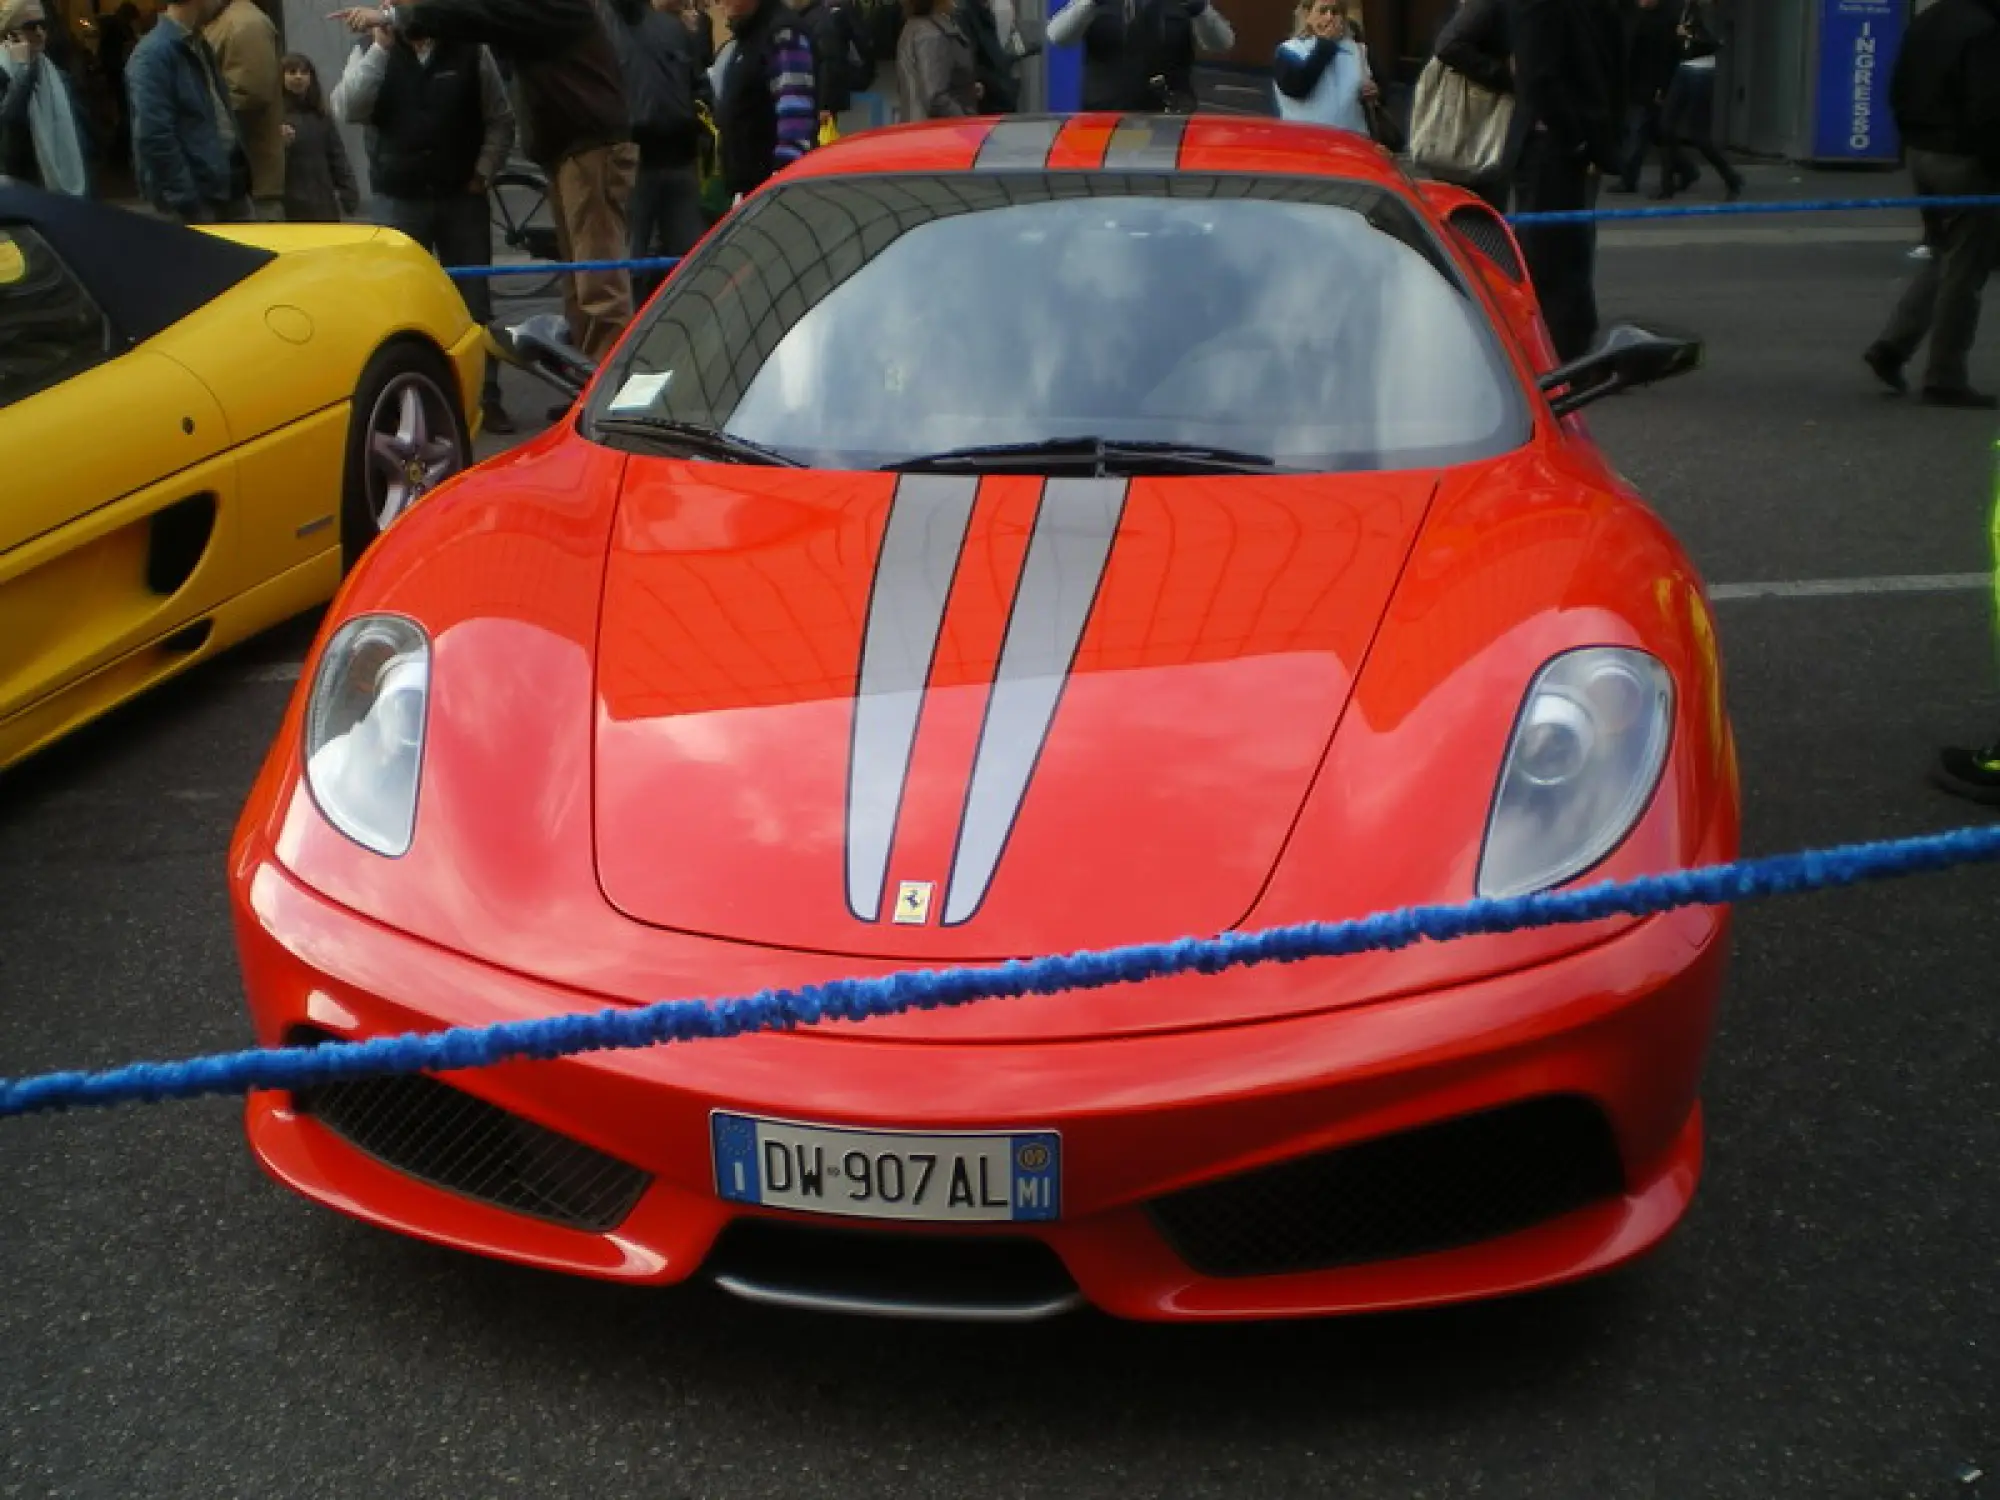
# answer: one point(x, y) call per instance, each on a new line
point(452, 1140)
point(1444, 1186)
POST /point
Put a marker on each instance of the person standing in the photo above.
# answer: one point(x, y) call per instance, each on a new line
point(935, 71)
point(319, 181)
point(767, 111)
point(1569, 106)
point(1946, 96)
point(664, 83)
point(42, 140)
point(1138, 55)
point(186, 146)
point(1477, 41)
point(438, 127)
point(1320, 76)
point(1652, 54)
point(575, 126)
point(1689, 114)
point(246, 49)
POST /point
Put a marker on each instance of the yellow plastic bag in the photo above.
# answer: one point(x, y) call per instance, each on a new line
point(829, 130)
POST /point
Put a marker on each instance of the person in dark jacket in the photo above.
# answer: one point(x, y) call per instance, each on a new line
point(1138, 55)
point(1651, 56)
point(664, 82)
point(319, 182)
point(1689, 113)
point(117, 35)
point(42, 139)
point(1567, 117)
point(439, 127)
point(574, 126)
point(835, 53)
point(186, 143)
point(1946, 96)
point(767, 112)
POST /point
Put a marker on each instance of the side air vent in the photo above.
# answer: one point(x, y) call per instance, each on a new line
point(179, 538)
point(1484, 231)
point(188, 639)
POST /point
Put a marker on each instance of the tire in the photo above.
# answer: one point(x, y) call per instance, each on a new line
point(406, 412)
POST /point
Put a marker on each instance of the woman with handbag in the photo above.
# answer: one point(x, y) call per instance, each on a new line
point(1465, 103)
point(1321, 76)
point(1688, 116)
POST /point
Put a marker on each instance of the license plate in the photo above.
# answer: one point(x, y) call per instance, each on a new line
point(888, 1174)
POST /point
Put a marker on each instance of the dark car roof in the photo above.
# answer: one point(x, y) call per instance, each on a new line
point(144, 273)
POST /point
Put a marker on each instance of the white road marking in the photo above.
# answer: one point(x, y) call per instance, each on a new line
point(1840, 588)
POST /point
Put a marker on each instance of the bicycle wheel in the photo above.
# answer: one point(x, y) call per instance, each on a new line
point(524, 227)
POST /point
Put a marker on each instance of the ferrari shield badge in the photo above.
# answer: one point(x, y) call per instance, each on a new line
point(913, 903)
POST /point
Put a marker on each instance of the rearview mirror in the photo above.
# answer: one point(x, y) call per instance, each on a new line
point(540, 345)
point(1630, 356)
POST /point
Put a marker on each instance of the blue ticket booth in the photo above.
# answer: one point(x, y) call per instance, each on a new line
point(1853, 55)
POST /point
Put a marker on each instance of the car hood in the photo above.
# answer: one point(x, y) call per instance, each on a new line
point(953, 718)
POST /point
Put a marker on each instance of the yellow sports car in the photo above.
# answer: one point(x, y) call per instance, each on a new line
point(200, 431)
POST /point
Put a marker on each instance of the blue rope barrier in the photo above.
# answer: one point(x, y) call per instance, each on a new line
point(1569, 216)
point(894, 994)
point(563, 267)
point(1759, 206)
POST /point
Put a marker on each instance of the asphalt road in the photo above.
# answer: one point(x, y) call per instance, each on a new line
point(1826, 1324)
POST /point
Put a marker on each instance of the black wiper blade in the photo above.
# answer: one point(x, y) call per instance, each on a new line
point(1102, 454)
point(710, 441)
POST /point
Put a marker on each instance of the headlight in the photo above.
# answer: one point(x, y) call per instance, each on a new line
point(1585, 757)
point(365, 730)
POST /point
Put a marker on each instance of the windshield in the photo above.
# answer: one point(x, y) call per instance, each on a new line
point(872, 321)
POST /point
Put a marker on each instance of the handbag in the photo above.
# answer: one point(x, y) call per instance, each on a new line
point(1383, 128)
point(1458, 129)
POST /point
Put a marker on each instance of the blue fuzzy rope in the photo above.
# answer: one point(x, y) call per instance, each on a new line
point(1568, 216)
point(894, 994)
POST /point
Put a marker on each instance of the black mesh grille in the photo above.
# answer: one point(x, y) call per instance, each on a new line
point(1482, 229)
point(1444, 1186)
point(453, 1140)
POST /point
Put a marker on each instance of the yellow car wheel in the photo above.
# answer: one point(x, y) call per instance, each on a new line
point(406, 436)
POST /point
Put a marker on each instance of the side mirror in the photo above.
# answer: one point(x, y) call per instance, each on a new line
point(540, 345)
point(1629, 356)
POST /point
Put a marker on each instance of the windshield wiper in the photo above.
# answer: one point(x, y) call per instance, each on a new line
point(711, 442)
point(1102, 455)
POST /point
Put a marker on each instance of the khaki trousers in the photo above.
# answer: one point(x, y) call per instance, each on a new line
point(588, 196)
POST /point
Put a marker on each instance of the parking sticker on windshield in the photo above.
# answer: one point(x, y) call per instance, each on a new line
point(640, 392)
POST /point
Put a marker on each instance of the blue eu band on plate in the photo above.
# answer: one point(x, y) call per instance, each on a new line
point(888, 1174)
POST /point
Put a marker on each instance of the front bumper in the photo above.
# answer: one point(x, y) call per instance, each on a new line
point(1622, 1027)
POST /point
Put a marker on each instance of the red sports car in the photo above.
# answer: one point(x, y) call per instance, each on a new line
point(999, 538)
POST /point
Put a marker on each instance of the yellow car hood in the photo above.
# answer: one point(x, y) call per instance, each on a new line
point(289, 239)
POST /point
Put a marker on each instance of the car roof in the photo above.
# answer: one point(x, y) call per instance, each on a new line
point(143, 273)
point(1108, 142)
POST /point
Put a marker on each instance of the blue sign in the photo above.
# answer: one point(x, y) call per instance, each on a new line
point(1858, 42)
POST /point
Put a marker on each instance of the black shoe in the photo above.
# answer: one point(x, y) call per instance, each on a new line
point(493, 417)
point(1972, 774)
point(1887, 367)
point(1962, 396)
point(1733, 191)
